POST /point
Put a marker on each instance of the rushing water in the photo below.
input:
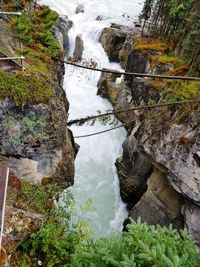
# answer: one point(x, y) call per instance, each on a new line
point(96, 176)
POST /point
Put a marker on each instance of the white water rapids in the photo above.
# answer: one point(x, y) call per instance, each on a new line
point(95, 176)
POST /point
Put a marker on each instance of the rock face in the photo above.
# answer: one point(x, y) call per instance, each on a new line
point(161, 204)
point(159, 171)
point(115, 37)
point(20, 225)
point(35, 141)
point(133, 170)
point(117, 41)
point(61, 29)
point(78, 51)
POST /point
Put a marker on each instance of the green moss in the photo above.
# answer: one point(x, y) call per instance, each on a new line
point(25, 87)
point(165, 59)
point(182, 90)
point(144, 44)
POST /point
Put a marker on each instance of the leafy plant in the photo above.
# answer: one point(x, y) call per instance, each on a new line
point(56, 242)
point(143, 245)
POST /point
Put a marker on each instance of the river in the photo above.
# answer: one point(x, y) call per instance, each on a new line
point(96, 176)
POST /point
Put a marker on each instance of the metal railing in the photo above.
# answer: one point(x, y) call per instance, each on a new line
point(10, 45)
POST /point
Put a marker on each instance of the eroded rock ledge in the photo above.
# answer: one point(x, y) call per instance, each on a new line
point(159, 171)
point(38, 147)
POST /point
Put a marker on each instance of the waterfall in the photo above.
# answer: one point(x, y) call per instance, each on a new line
point(95, 173)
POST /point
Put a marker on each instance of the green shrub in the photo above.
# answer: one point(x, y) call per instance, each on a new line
point(142, 245)
point(56, 242)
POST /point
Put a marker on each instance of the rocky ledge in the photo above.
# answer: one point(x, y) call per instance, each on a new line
point(36, 145)
point(159, 171)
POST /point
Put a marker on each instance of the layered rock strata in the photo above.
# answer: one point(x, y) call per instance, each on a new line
point(159, 171)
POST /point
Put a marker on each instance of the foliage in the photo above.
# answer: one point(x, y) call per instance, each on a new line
point(56, 242)
point(181, 90)
point(150, 44)
point(36, 28)
point(165, 59)
point(25, 87)
point(178, 21)
point(142, 245)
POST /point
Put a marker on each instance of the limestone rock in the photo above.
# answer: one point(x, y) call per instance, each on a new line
point(35, 142)
point(171, 146)
point(160, 204)
point(113, 38)
point(137, 62)
point(100, 18)
point(175, 149)
point(133, 172)
point(61, 29)
point(80, 9)
point(117, 93)
point(191, 213)
point(78, 51)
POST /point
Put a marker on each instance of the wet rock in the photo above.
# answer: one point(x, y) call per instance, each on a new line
point(133, 171)
point(137, 24)
point(138, 63)
point(126, 49)
point(112, 87)
point(113, 38)
point(160, 204)
point(61, 29)
point(78, 51)
point(174, 149)
point(191, 213)
point(80, 9)
point(100, 18)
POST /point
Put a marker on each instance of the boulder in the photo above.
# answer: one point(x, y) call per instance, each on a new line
point(112, 87)
point(80, 9)
point(113, 38)
point(78, 51)
point(61, 29)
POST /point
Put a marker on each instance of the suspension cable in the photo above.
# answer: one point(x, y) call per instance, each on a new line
point(82, 120)
point(104, 131)
point(104, 70)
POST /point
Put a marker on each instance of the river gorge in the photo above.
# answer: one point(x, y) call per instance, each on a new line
point(95, 173)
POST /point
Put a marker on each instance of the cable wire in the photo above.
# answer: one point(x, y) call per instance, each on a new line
point(104, 70)
point(82, 120)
